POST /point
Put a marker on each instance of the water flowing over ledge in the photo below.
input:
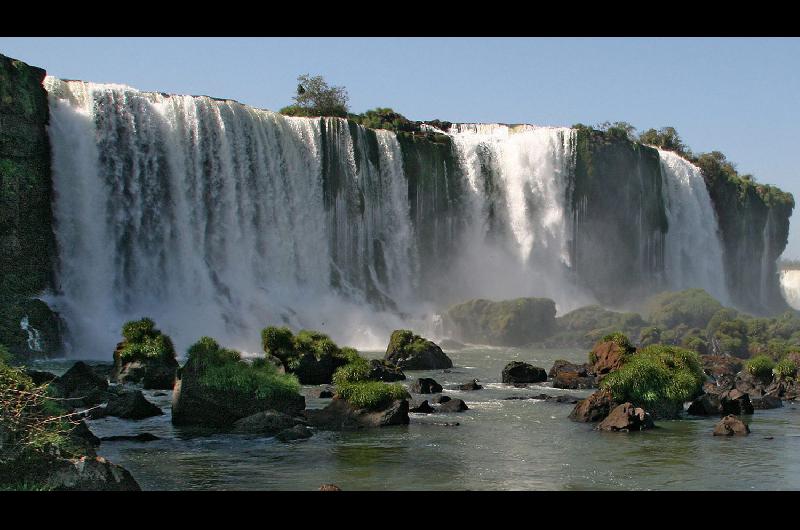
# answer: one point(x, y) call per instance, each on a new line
point(215, 218)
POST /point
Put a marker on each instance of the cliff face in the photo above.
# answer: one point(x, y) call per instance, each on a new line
point(27, 243)
point(754, 221)
point(619, 222)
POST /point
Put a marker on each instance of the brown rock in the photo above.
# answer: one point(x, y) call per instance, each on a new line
point(730, 425)
point(341, 415)
point(593, 408)
point(626, 418)
point(609, 357)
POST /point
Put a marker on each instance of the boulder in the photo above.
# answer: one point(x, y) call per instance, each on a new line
point(472, 385)
point(505, 323)
point(574, 380)
point(412, 352)
point(81, 386)
point(517, 372)
point(608, 357)
point(380, 370)
point(195, 404)
point(90, 474)
point(341, 415)
point(721, 365)
point(330, 487)
point(298, 432)
point(38, 377)
point(567, 366)
point(749, 384)
point(766, 402)
point(593, 408)
point(626, 418)
point(706, 405)
point(453, 405)
point(730, 425)
point(156, 373)
point(131, 405)
point(267, 423)
point(425, 385)
point(440, 399)
point(422, 408)
point(735, 402)
point(84, 436)
point(313, 370)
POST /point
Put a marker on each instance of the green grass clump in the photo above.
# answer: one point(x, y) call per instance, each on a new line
point(658, 378)
point(693, 307)
point(144, 342)
point(785, 369)
point(371, 394)
point(207, 352)
point(760, 366)
point(262, 381)
point(355, 371)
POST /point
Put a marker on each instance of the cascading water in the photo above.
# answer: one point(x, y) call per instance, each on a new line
point(34, 336)
point(790, 287)
point(693, 251)
point(218, 219)
point(519, 237)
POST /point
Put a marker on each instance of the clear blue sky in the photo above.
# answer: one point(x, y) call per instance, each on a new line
point(740, 96)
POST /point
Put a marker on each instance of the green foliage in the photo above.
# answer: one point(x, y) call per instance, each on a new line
point(356, 370)
point(620, 130)
point(666, 138)
point(692, 307)
point(586, 325)
point(658, 378)
point(785, 369)
point(259, 380)
point(206, 352)
point(5, 356)
point(371, 394)
point(143, 341)
point(278, 342)
point(507, 323)
point(385, 118)
point(315, 97)
point(760, 366)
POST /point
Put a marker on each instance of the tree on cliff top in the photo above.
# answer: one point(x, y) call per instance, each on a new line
point(316, 98)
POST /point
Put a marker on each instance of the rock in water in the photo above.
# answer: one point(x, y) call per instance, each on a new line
point(267, 423)
point(730, 425)
point(472, 385)
point(518, 372)
point(298, 432)
point(422, 408)
point(380, 370)
point(142, 437)
point(505, 323)
point(195, 404)
point(330, 487)
point(412, 352)
point(453, 405)
point(593, 408)
point(440, 399)
point(81, 386)
point(766, 402)
point(425, 385)
point(626, 418)
point(91, 474)
point(341, 415)
point(131, 405)
point(608, 357)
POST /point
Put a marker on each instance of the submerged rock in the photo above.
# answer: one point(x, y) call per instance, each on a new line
point(517, 372)
point(131, 405)
point(440, 399)
point(472, 385)
point(422, 408)
point(731, 426)
point(593, 408)
point(425, 385)
point(412, 352)
point(341, 415)
point(626, 418)
point(267, 423)
point(142, 437)
point(298, 432)
point(453, 405)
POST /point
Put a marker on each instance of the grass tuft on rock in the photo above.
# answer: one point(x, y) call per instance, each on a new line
point(760, 366)
point(659, 378)
point(144, 342)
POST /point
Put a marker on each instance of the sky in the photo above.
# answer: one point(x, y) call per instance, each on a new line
point(740, 96)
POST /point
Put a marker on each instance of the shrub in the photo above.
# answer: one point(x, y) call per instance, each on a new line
point(143, 342)
point(262, 381)
point(353, 372)
point(207, 352)
point(371, 394)
point(692, 307)
point(278, 342)
point(760, 366)
point(785, 369)
point(316, 98)
point(658, 378)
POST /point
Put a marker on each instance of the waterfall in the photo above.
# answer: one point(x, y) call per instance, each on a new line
point(693, 250)
point(790, 287)
point(34, 336)
point(218, 219)
point(215, 218)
